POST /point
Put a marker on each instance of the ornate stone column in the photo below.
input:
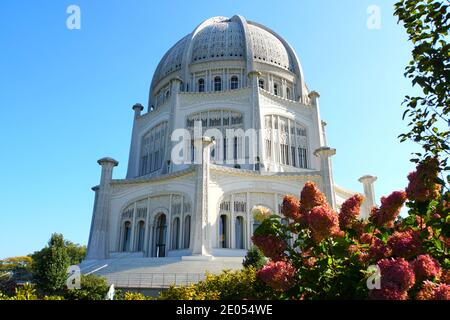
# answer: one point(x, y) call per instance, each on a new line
point(369, 194)
point(257, 121)
point(98, 246)
point(133, 159)
point(174, 92)
point(201, 244)
point(314, 96)
point(325, 154)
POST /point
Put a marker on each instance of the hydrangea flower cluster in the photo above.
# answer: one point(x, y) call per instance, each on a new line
point(422, 182)
point(388, 294)
point(278, 274)
point(434, 291)
point(291, 208)
point(399, 247)
point(426, 267)
point(308, 260)
point(311, 197)
point(271, 246)
point(397, 277)
point(350, 210)
point(389, 210)
point(260, 213)
point(445, 276)
point(405, 244)
point(323, 223)
point(378, 250)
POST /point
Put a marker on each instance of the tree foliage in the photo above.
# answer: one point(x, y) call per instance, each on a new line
point(254, 258)
point(427, 23)
point(50, 266)
point(75, 251)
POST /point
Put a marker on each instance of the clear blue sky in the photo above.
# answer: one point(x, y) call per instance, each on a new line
point(66, 95)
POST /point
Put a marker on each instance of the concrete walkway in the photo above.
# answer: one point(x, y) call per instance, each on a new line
point(131, 271)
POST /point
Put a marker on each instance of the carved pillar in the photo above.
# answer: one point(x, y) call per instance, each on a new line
point(133, 162)
point(201, 245)
point(325, 154)
point(369, 194)
point(98, 246)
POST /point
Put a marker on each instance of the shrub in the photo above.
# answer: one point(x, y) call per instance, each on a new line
point(93, 287)
point(7, 284)
point(254, 258)
point(25, 292)
point(134, 296)
point(229, 285)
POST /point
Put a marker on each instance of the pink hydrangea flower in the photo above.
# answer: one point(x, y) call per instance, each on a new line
point(350, 211)
point(445, 276)
point(426, 267)
point(422, 185)
point(308, 259)
point(291, 207)
point(427, 291)
point(271, 246)
point(323, 223)
point(405, 244)
point(433, 291)
point(378, 250)
point(442, 292)
point(278, 274)
point(389, 210)
point(396, 274)
point(311, 197)
point(388, 293)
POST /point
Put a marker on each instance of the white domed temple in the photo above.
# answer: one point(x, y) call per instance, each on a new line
point(227, 75)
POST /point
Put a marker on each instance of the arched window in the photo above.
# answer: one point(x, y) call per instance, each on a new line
point(239, 230)
point(140, 236)
point(275, 89)
point(166, 95)
point(291, 152)
point(261, 83)
point(160, 236)
point(187, 231)
point(288, 93)
point(217, 83)
point(175, 233)
point(126, 236)
point(153, 148)
point(234, 82)
point(219, 120)
point(201, 85)
point(223, 231)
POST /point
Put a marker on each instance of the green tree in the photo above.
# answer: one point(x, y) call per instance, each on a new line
point(76, 252)
point(427, 23)
point(50, 266)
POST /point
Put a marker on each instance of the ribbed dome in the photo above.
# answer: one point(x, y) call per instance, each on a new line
point(222, 39)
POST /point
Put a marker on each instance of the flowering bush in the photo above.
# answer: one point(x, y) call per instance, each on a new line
point(229, 285)
point(279, 275)
point(27, 292)
point(323, 254)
